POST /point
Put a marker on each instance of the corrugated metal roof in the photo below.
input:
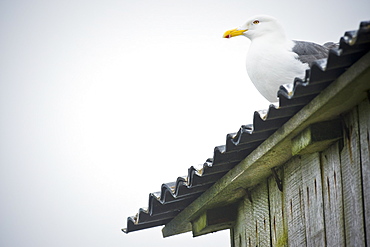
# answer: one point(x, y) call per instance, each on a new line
point(175, 196)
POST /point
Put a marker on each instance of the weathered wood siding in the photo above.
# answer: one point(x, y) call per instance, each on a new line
point(325, 199)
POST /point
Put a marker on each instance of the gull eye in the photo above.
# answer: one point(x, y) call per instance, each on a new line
point(256, 22)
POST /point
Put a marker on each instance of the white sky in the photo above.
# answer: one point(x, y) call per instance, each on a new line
point(103, 101)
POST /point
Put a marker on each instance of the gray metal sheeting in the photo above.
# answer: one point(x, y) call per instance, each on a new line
point(175, 196)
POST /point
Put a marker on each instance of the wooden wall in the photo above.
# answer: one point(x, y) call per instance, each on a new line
point(325, 200)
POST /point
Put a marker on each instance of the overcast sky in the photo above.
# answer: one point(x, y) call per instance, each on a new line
point(103, 101)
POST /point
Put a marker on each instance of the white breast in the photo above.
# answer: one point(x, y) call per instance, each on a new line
point(271, 65)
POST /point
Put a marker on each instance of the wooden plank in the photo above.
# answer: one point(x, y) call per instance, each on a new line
point(257, 217)
point(332, 195)
point(293, 202)
point(238, 231)
point(279, 231)
point(250, 229)
point(351, 178)
point(261, 214)
point(364, 121)
point(312, 198)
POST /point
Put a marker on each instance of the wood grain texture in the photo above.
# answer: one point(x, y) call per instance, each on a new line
point(352, 182)
point(332, 195)
point(238, 230)
point(293, 202)
point(364, 121)
point(278, 228)
point(261, 214)
point(250, 228)
point(257, 217)
point(312, 198)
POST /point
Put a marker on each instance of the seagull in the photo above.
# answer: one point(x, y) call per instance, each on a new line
point(273, 59)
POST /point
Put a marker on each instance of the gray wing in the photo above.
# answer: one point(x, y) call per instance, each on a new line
point(308, 52)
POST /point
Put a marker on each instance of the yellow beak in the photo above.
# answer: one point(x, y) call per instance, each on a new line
point(233, 33)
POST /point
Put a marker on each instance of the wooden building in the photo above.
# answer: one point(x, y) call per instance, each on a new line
point(306, 184)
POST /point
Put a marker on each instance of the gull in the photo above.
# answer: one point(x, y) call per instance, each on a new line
point(273, 59)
